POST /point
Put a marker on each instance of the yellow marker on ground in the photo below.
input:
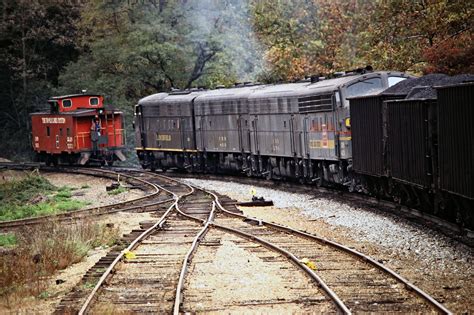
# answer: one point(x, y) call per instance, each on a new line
point(253, 191)
point(311, 265)
point(130, 255)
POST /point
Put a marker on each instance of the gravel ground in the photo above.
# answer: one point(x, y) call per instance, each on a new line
point(438, 264)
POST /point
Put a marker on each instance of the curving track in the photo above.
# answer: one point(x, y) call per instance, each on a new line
point(160, 278)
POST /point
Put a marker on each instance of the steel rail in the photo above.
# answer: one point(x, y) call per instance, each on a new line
point(332, 295)
point(187, 260)
point(437, 305)
point(389, 206)
point(86, 305)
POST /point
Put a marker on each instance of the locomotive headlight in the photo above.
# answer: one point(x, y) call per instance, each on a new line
point(348, 122)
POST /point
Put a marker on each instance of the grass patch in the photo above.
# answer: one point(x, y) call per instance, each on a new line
point(42, 250)
point(85, 186)
point(8, 240)
point(34, 196)
point(117, 191)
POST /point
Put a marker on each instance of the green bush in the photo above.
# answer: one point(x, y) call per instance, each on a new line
point(8, 240)
point(34, 196)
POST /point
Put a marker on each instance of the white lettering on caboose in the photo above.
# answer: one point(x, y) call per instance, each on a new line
point(53, 120)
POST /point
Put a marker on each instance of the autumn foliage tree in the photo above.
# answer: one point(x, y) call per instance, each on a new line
point(421, 36)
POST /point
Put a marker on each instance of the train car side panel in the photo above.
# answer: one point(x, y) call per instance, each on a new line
point(409, 144)
point(367, 136)
point(50, 133)
point(456, 139)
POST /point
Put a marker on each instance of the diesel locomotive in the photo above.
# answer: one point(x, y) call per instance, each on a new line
point(78, 129)
point(297, 130)
point(305, 131)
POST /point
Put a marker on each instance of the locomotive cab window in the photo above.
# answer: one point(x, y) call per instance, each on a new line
point(394, 80)
point(364, 87)
point(67, 103)
point(94, 101)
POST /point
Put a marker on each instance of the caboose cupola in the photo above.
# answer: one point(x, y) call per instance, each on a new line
point(67, 103)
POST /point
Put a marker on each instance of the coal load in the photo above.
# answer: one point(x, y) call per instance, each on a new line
point(423, 87)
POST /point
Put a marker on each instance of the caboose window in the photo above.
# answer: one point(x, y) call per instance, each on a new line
point(47, 131)
point(94, 101)
point(67, 103)
point(68, 132)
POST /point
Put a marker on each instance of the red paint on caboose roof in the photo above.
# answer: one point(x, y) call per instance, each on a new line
point(67, 103)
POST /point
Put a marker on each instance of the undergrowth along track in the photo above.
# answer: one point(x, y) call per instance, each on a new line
point(148, 202)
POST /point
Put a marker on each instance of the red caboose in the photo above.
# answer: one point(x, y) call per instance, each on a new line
point(78, 129)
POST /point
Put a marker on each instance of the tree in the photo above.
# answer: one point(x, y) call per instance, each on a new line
point(37, 40)
point(310, 37)
point(412, 36)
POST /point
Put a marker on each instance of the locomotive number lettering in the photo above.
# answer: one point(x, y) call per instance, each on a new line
point(321, 144)
point(53, 120)
point(163, 137)
point(314, 144)
point(222, 141)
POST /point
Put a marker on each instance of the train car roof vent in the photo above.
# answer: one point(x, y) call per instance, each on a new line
point(179, 92)
point(314, 78)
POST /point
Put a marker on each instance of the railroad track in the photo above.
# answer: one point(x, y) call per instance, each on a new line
point(449, 229)
point(160, 277)
point(363, 284)
point(151, 200)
